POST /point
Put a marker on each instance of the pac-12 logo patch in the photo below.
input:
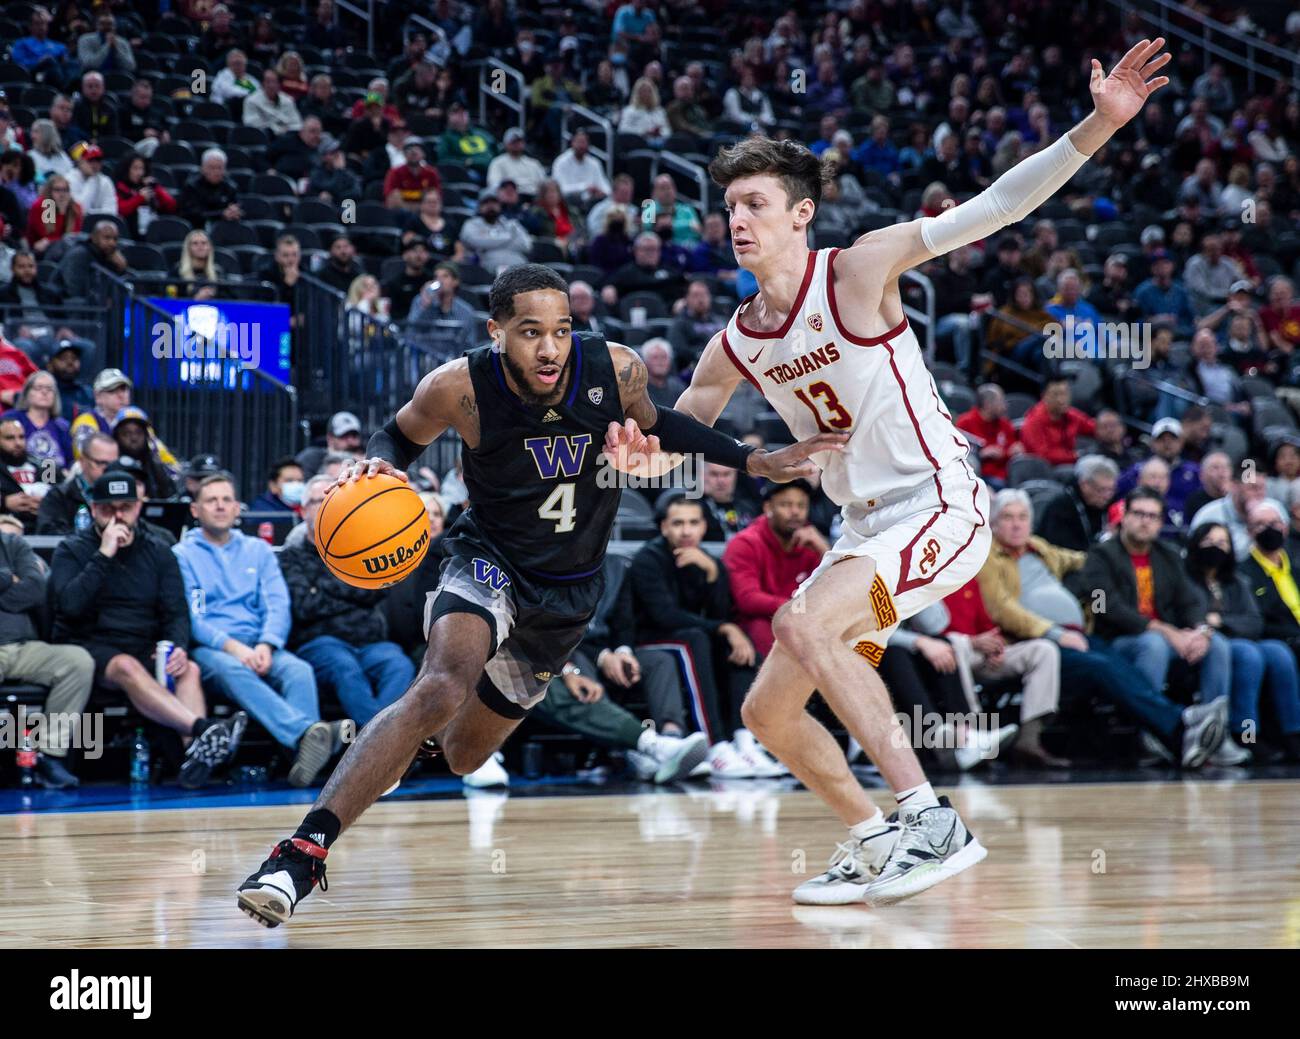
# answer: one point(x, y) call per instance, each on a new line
point(596, 394)
point(815, 322)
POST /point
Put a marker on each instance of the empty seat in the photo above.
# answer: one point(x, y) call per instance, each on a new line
point(142, 258)
point(167, 229)
point(1023, 468)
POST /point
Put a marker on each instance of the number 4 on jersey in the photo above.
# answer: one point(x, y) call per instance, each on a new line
point(559, 506)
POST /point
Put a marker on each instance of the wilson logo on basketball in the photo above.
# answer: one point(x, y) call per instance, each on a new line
point(398, 558)
point(928, 556)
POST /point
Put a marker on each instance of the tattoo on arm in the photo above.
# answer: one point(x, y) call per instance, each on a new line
point(632, 381)
point(468, 405)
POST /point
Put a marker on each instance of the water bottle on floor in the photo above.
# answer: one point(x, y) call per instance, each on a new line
point(27, 762)
point(139, 759)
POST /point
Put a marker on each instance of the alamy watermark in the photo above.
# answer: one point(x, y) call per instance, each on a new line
point(84, 732)
point(687, 476)
point(1069, 340)
point(930, 730)
point(199, 333)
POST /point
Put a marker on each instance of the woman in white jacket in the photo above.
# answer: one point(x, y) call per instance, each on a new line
point(644, 116)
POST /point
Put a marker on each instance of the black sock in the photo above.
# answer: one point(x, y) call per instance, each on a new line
point(200, 725)
point(320, 826)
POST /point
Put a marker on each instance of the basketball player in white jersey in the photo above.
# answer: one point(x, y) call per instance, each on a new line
point(825, 340)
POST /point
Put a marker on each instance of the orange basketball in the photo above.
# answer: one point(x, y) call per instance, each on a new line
point(372, 532)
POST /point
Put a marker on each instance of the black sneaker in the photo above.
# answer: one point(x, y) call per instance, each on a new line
point(53, 775)
point(270, 895)
point(213, 747)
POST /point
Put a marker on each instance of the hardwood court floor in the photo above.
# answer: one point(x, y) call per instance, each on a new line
point(1197, 864)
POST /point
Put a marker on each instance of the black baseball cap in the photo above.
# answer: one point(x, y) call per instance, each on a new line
point(770, 489)
point(202, 465)
point(114, 485)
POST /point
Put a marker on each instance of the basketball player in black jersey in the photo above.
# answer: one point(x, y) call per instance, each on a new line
point(521, 576)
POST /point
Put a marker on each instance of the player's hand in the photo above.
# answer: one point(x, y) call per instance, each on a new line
point(1121, 95)
point(939, 653)
point(353, 471)
point(793, 463)
point(629, 450)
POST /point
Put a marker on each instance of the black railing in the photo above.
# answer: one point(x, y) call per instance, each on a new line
point(209, 403)
point(38, 329)
point(350, 361)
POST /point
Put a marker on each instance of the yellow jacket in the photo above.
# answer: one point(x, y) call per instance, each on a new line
point(999, 582)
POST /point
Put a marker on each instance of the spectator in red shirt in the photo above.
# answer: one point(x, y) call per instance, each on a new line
point(771, 557)
point(993, 433)
point(1036, 661)
point(1051, 425)
point(1281, 318)
point(405, 185)
point(15, 366)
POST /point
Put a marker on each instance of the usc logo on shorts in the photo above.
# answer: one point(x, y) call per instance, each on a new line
point(882, 605)
point(928, 556)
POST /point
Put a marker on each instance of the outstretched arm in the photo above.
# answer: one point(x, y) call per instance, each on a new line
point(635, 446)
point(1117, 98)
point(714, 381)
point(444, 399)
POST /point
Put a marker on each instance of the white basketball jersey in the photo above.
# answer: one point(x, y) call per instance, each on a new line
point(819, 378)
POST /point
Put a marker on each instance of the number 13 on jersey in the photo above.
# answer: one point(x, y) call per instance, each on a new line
point(837, 419)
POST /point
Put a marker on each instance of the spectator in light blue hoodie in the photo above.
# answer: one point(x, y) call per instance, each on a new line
point(239, 614)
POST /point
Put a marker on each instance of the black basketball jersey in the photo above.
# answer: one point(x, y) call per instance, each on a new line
point(532, 479)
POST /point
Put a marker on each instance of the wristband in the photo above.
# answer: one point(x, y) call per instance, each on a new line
point(393, 446)
point(678, 433)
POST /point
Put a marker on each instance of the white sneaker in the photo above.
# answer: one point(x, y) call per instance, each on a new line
point(643, 766)
point(756, 756)
point(1230, 753)
point(934, 845)
point(490, 773)
point(854, 865)
point(675, 757)
point(982, 744)
point(727, 762)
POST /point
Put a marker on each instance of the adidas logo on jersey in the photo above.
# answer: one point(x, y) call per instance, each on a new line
point(551, 415)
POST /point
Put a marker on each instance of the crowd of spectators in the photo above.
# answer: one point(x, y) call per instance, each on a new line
point(391, 194)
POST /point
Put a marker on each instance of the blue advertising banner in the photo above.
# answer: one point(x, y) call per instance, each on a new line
point(212, 342)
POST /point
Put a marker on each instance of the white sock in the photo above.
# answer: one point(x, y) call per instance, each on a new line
point(861, 830)
point(921, 796)
point(646, 740)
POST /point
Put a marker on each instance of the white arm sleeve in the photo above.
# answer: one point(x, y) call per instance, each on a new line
point(1010, 198)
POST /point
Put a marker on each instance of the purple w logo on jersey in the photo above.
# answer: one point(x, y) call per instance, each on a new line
point(490, 574)
point(558, 455)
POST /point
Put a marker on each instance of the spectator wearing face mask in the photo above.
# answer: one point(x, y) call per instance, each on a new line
point(284, 487)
